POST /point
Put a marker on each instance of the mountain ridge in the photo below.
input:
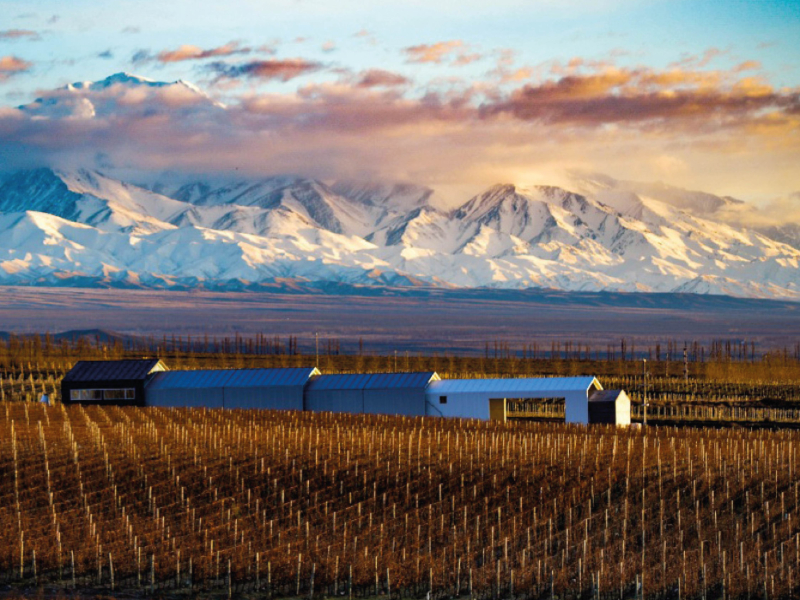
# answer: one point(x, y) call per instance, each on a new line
point(59, 227)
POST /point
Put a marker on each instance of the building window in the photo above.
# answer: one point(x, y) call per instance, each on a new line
point(442, 399)
point(103, 394)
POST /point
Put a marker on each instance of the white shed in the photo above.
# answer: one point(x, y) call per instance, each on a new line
point(470, 398)
point(610, 407)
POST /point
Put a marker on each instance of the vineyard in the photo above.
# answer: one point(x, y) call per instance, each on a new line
point(225, 503)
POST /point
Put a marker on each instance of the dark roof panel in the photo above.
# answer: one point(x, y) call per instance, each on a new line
point(385, 381)
point(374, 381)
point(605, 395)
point(271, 377)
point(338, 382)
point(231, 378)
point(171, 380)
point(107, 370)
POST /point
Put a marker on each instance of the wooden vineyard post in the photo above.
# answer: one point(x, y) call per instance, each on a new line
point(152, 574)
point(458, 577)
point(230, 585)
point(111, 569)
point(299, 564)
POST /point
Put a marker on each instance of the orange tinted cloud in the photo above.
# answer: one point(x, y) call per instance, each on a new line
point(379, 77)
point(282, 70)
point(748, 65)
point(620, 96)
point(455, 52)
point(637, 122)
point(698, 61)
point(9, 65)
point(189, 52)
point(15, 34)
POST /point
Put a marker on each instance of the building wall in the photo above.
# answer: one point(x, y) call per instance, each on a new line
point(406, 402)
point(272, 398)
point(623, 406)
point(467, 405)
point(576, 407)
point(349, 401)
point(475, 405)
point(186, 397)
point(137, 384)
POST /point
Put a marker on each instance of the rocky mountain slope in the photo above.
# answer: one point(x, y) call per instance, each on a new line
point(82, 227)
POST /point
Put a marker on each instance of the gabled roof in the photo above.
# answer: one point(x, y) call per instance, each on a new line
point(271, 377)
point(373, 381)
point(387, 381)
point(107, 370)
point(514, 385)
point(607, 395)
point(231, 378)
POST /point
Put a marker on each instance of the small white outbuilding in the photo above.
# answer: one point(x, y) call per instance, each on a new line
point(610, 407)
point(471, 398)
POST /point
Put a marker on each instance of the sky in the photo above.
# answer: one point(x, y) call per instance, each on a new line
point(457, 95)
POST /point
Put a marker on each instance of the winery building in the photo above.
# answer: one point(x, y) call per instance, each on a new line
point(276, 389)
point(474, 398)
point(148, 383)
point(109, 381)
point(376, 393)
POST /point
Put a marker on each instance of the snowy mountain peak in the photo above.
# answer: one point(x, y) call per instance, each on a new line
point(116, 94)
point(391, 196)
point(83, 227)
point(124, 79)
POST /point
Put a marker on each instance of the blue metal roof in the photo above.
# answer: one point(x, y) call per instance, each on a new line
point(374, 381)
point(270, 377)
point(172, 380)
point(221, 378)
point(338, 382)
point(385, 381)
point(510, 385)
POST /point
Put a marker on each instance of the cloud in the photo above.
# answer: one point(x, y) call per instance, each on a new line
point(11, 65)
point(141, 56)
point(748, 65)
point(707, 130)
point(698, 61)
point(367, 36)
point(189, 52)
point(279, 69)
point(454, 52)
point(106, 54)
point(329, 46)
point(639, 97)
point(379, 77)
point(131, 29)
point(17, 34)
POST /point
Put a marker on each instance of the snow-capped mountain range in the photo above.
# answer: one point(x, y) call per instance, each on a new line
point(84, 228)
point(81, 227)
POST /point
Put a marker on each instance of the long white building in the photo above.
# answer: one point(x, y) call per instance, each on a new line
point(409, 394)
point(471, 398)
